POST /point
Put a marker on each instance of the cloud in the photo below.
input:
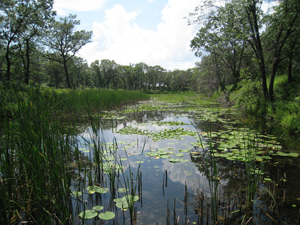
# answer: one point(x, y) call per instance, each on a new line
point(119, 38)
point(77, 5)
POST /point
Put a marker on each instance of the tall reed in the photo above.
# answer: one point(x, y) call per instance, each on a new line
point(38, 145)
point(253, 176)
point(35, 153)
point(211, 173)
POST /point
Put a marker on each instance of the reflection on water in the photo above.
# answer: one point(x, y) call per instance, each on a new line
point(171, 192)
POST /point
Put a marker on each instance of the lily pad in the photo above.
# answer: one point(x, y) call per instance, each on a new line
point(88, 214)
point(76, 193)
point(174, 160)
point(124, 202)
point(107, 215)
point(267, 179)
point(122, 190)
point(165, 156)
point(130, 198)
point(184, 150)
point(93, 189)
point(98, 208)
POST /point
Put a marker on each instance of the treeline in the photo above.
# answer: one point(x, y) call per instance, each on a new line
point(238, 42)
point(35, 48)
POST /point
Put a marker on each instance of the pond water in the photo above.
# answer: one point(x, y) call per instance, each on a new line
point(183, 164)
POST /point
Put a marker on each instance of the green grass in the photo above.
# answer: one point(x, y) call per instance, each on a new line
point(184, 97)
point(284, 111)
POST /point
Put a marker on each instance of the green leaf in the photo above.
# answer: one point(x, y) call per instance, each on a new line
point(122, 190)
point(88, 214)
point(107, 215)
point(98, 208)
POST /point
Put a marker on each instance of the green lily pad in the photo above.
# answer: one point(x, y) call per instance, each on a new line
point(88, 214)
point(174, 160)
point(98, 208)
point(93, 189)
point(76, 193)
point(185, 150)
point(107, 215)
point(124, 202)
point(116, 200)
point(165, 156)
point(130, 198)
point(122, 190)
point(122, 205)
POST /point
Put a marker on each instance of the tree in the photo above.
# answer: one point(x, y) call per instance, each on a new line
point(22, 19)
point(63, 40)
point(109, 70)
point(283, 25)
point(248, 27)
point(140, 70)
point(154, 74)
point(217, 36)
point(98, 79)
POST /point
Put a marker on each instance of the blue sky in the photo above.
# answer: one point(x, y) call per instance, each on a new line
point(133, 31)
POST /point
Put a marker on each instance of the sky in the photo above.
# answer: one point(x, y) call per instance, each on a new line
point(131, 31)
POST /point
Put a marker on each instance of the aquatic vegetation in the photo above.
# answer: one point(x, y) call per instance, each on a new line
point(88, 214)
point(176, 133)
point(86, 175)
point(107, 215)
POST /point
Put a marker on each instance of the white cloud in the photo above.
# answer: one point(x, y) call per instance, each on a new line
point(119, 38)
point(267, 7)
point(77, 5)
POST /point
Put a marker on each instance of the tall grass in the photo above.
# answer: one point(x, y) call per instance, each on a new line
point(38, 145)
point(35, 154)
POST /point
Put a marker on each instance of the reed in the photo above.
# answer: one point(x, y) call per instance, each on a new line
point(131, 183)
point(212, 177)
point(34, 174)
point(38, 149)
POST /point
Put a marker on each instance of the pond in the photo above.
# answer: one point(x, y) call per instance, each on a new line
point(185, 163)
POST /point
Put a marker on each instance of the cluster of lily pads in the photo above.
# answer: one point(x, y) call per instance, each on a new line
point(92, 213)
point(242, 144)
point(176, 133)
point(123, 203)
point(166, 154)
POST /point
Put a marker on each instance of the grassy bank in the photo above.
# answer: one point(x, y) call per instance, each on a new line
point(284, 111)
point(38, 146)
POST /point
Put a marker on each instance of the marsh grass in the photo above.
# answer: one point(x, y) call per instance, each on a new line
point(34, 176)
point(38, 146)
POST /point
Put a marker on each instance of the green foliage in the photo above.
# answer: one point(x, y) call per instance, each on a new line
point(284, 110)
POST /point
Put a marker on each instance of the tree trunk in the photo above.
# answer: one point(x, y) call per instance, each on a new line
point(257, 46)
point(290, 68)
point(67, 74)
point(8, 64)
point(274, 70)
point(27, 69)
